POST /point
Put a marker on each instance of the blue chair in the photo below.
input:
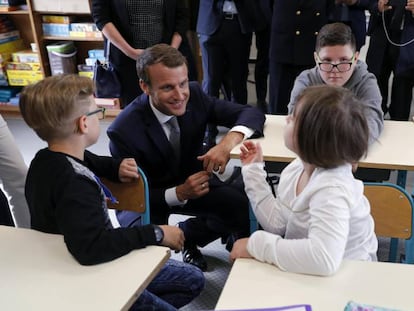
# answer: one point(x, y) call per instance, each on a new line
point(132, 196)
point(392, 210)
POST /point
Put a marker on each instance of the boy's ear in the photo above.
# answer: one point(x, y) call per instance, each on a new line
point(82, 125)
point(356, 55)
point(315, 57)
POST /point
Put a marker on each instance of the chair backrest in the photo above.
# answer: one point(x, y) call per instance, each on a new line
point(392, 210)
point(132, 196)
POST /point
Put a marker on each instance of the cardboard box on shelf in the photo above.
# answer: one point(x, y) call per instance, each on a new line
point(57, 19)
point(73, 6)
point(55, 29)
point(26, 56)
point(20, 74)
point(6, 49)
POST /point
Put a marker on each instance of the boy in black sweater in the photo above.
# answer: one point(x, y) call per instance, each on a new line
point(65, 196)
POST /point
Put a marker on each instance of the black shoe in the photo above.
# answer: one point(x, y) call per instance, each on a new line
point(193, 256)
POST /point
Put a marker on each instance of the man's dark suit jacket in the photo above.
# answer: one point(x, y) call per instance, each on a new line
point(295, 25)
point(137, 133)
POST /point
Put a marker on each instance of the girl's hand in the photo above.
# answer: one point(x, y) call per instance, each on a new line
point(128, 170)
point(250, 152)
point(240, 249)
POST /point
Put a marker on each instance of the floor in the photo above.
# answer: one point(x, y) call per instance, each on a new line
point(216, 255)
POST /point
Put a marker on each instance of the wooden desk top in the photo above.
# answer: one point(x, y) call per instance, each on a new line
point(14, 111)
point(38, 273)
point(393, 150)
point(252, 284)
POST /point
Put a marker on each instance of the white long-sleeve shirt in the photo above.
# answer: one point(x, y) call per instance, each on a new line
point(314, 231)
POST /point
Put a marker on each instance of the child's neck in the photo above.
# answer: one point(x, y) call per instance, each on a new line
point(304, 177)
point(69, 148)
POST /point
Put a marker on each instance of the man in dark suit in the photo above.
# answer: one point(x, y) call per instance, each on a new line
point(182, 181)
point(352, 13)
point(225, 32)
point(295, 25)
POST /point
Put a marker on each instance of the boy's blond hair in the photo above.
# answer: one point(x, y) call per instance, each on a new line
point(52, 106)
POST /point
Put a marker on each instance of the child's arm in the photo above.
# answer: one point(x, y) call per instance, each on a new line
point(318, 251)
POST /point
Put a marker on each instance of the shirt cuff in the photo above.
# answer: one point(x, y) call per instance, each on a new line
point(171, 198)
point(246, 131)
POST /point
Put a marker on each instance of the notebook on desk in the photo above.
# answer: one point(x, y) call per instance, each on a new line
point(289, 308)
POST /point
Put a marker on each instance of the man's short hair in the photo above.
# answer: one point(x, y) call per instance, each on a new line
point(51, 106)
point(330, 126)
point(158, 53)
point(335, 34)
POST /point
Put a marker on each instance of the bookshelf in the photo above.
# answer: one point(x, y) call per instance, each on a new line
point(29, 23)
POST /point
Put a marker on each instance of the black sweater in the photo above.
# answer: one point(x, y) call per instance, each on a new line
point(64, 198)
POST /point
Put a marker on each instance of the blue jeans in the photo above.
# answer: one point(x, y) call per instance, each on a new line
point(174, 286)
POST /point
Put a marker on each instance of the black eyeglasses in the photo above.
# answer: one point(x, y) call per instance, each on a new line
point(341, 67)
point(99, 111)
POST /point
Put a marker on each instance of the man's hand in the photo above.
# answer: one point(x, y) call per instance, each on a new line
point(194, 186)
point(128, 170)
point(240, 250)
point(410, 6)
point(382, 6)
point(250, 152)
point(173, 237)
point(215, 160)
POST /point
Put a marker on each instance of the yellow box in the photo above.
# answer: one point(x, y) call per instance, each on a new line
point(23, 77)
point(88, 74)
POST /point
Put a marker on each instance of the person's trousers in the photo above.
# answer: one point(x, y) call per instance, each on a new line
point(13, 172)
point(281, 80)
point(261, 68)
point(174, 286)
point(226, 52)
point(221, 213)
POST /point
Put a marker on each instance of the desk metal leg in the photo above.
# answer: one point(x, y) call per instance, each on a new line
point(409, 244)
point(402, 178)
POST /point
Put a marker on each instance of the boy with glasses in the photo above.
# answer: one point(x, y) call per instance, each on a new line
point(337, 64)
point(65, 195)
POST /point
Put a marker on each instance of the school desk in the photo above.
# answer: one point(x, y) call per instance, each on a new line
point(253, 284)
point(38, 273)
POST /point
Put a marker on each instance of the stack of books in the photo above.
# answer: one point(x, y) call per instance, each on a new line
point(9, 42)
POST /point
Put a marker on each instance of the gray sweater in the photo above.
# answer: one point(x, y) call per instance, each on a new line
point(362, 83)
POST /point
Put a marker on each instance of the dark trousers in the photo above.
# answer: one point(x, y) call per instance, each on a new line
point(281, 81)
point(222, 212)
point(401, 90)
point(227, 50)
point(261, 69)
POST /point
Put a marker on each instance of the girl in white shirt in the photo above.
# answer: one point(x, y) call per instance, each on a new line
point(320, 215)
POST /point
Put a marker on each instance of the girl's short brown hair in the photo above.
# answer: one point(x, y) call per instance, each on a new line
point(330, 126)
point(51, 106)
